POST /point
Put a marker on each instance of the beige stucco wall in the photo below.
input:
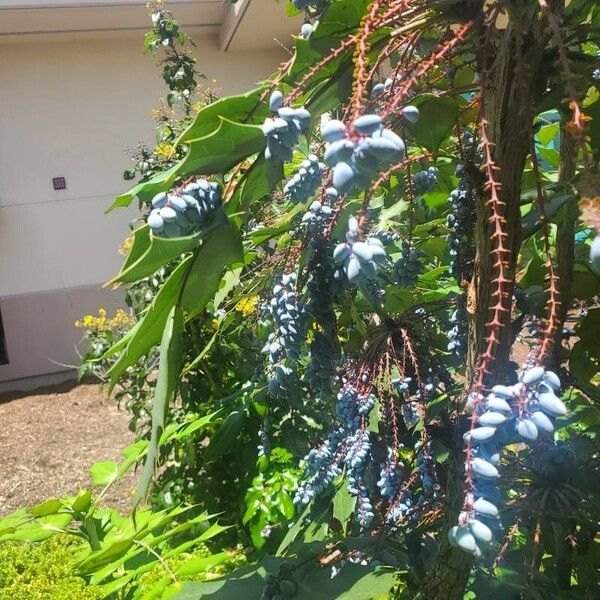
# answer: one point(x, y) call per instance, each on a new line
point(69, 108)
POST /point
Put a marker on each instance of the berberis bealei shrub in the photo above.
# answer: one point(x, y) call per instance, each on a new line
point(374, 308)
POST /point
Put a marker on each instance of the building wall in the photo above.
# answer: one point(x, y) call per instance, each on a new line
point(69, 108)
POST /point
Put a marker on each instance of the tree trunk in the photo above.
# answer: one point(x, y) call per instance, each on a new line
point(565, 240)
point(511, 83)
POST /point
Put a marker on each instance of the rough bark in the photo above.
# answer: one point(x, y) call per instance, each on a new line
point(565, 240)
point(512, 82)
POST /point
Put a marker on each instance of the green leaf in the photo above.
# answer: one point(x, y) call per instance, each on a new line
point(531, 221)
point(256, 529)
point(259, 181)
point(148, 331)
point(229, 282)
point(282, 225)
point(160, 252)
point(294, 531)
point(243, 584)
point(141, 242)
point(82, 503)
point(103, 557)
point(13, 521)
point(220, 150)
point(216, 152)
point(285, 505)
point(243, 109)
point(48, 507)
point(344, 505)
point(340, 19)
point(221, 249)
point(168, 371)
point(586, 284)
point(353, 582)
point(437, 118)
point(41, 529)
point(104, 472)
point(550, 155)
point(548, 133)
point(398, 299)
point(584, 360)
point(375, 417)
point(199, 565)
point(147, 189)
point(224, 438)
point(594, 127)
point(195, 425)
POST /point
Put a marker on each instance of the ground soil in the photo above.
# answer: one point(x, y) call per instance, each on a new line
point(49, 439)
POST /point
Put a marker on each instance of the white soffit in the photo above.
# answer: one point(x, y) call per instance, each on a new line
point(258, 24)
point(20, 18)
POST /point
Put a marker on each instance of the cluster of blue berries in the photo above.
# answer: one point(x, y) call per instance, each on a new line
point(305, 182)
point(425, 465)
point(321, 468)
point(458, 333)
point(409, 409)
point(347, 447)
point(315, 5)
point(460, 222)
point(285, 343)
point(356, 162)
point(283, 130)
point(508, 414)
point(180, 213)
point(359, 259)
point(353, 410)
point(424, 181)
point(322, 285)
point(324, 355)
point(322, 290)
point(317, 217)
point(409, 266)
point(391, 477)
point(401, 503)
point(387, 237)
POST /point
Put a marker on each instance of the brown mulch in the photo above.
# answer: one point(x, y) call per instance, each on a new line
point(50, 438)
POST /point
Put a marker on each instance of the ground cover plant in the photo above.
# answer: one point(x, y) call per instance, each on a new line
point(366, 303)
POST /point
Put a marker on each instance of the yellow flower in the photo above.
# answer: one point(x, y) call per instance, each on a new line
point(164, 151)
point(103, 323)
point(126, 246)
point(247, 306)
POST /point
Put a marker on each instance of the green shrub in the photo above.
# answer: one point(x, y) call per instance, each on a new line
point(42, 571)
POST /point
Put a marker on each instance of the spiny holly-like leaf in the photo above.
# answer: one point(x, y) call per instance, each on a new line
point(245, 108)
point(259, 181)
point(437, 117)
point(216, 152)
point(160, 252)
point(168, 372)
point(220, 250)
point(344, 505)
point(223, 148)
point(353, 582)
point(148, 331)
